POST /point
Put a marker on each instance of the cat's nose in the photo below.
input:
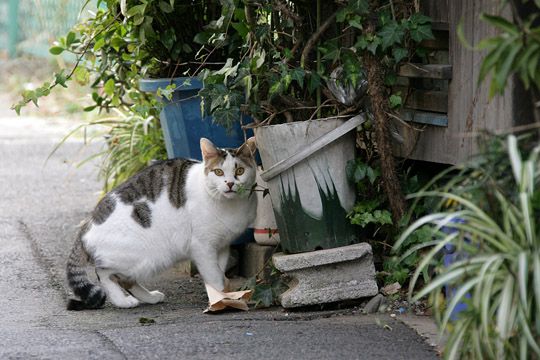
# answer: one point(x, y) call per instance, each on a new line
point(230, 185)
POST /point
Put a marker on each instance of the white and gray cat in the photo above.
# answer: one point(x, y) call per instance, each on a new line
point(171, 211)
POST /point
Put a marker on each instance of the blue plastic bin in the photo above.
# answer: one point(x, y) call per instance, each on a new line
point(183, 125)
point(182, 121)
point(451, 255)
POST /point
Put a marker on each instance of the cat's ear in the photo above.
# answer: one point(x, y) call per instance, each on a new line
point(248, 148)
point(208, 149)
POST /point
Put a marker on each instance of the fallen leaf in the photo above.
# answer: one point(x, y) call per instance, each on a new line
point(146, 321)
point(391, 289)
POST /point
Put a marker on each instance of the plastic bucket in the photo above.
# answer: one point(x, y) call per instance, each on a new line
point(305, 168)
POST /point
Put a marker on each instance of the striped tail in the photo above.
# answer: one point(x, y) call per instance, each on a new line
point(91, 296)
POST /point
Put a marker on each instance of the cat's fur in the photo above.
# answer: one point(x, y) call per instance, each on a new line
point(171, 211)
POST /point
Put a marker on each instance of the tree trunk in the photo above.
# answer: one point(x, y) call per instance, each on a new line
point(379, 106)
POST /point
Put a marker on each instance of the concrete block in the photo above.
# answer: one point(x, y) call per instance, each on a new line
point(330, 275)
point(253, 258)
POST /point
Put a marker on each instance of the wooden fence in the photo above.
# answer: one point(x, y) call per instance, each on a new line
point(448, 112)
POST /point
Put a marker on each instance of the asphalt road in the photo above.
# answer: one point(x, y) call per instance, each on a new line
point(40, 207)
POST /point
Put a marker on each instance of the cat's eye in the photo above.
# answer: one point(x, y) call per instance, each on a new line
point(218, 172)
point(239, 171)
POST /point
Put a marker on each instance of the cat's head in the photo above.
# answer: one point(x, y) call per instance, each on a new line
point(230, 173)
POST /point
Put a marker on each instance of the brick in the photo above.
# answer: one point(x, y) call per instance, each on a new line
point(253, 258)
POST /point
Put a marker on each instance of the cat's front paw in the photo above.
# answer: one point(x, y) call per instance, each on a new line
point(126, 302)
point(156, 297)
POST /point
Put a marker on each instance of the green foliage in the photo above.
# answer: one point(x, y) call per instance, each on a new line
point(266, 290)
point(285, 64)
point(371, 214)
point(367, 212)
point(501, 272)
point(125, 41)
point(514, 50)
point(399, 269)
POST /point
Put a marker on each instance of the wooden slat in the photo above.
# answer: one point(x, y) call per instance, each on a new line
point(423, 117)
point(436, 9)
point(440, 25)
point(430, 71)
point(426, 100)
point(439, 43)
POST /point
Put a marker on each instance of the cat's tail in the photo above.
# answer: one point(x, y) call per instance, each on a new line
point(91, 296)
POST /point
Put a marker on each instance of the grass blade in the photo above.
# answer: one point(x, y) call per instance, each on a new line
point(523, 272)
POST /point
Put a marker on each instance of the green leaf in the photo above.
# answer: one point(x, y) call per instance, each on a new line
point(390, 79)
point(99, 44)
point(81, 75)
point(500, 23)
point(241, 29)
point(399, 54)
point(165, 7)
point(60, 79)
point(276, 88)
point(138, 20)
point(342, 14)
point(286, 80)
point(56, 50)
point(263, 296)
point(493, 57)
point(117, 42)
point(146, 321)
point(372, 46)
point(258, 59)
point(136, 10)
point(314, 82)
point(359, 6)
point(390, 34)
point(202, 37)
point(356, 22)
point(422, 32)
point(227, 117)
point(532, 66)
point(372, 174)
point(360, 172)
point(395, 101)
point(168, 39)
point(109, 87)
point(503, 72)
point(70, 38)
point(17, 108)
point(362, 42)
point(418, 18)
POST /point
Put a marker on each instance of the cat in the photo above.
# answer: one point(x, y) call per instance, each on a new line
point(172, 210)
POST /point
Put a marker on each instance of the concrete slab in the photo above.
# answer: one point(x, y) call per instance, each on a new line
point(330, 275)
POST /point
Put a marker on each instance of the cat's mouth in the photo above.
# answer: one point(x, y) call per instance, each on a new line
point(230, 191)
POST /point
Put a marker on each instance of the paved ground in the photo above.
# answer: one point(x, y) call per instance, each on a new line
point(40, 207)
